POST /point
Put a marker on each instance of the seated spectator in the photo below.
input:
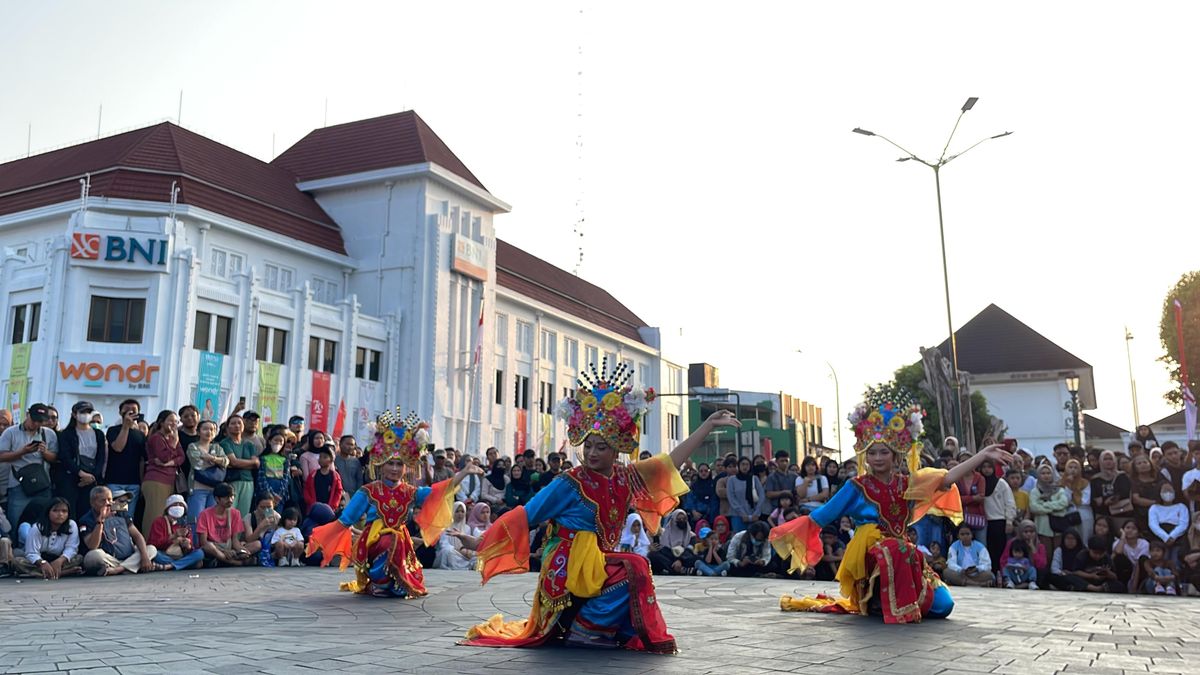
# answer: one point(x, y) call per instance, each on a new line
point(113, 543)
point(287, 542)
point(1159, 572)
point(479, 518)
point(456, 547)
point(1094, 570)
point(673, 552)
point(1131, 545)
point(1065, 560)
point(321, 514)
point(845, 529)
point(52, 546)
point(1168, 518)
point(723, 529)
point(170, 534)
point(833, 550)
point(1173, 466)
point(633, 537)
point(702, 502)
point(324, 485)
point(749, 553)
point(710, 558)
point(519, 489)
point(222, 532)
point(261, 524)
point(786, 503)
point(494, 485)
point(1189, 558)
point(968, 562)
point(1036, 551)
point(1019, 571)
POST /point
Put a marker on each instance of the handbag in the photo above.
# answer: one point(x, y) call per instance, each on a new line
point(181, 483)
point(1061, 524)
point(33, 479)
point(211, 476)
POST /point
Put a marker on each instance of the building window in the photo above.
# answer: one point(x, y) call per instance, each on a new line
point(26, 319)
point(571, 353)
point(324, 290)
point(591, 356)
point(644, 375)
point(322, 354)
point(224, 264)
point(568, 392)
point(214, 333)
point(278, 278)
point(524, 338)
point(366, 364)
point(116, 320)
point(672, 427)
point(521, 393)
point(501, 331)
point(499, 386)
point(609, 360)
point(272, 344)
point(546, 400)
point(549, 347)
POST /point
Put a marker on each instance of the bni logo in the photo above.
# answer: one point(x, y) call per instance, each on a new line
point(85, 246)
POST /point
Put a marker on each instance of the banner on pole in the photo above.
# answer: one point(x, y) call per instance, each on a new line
point(318, 413)
point(520, 437)
point(18, 382)
point(208, 385)
point(268, 391)
point(339, 422)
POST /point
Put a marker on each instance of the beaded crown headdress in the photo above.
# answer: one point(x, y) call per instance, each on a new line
point(896, 424)
point(399, 436)
point(606, 404)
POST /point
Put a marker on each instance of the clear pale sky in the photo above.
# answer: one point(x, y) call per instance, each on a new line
point(724, 197)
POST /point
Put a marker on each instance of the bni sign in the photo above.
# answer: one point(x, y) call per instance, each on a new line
point(124, 250)
point(470, 258)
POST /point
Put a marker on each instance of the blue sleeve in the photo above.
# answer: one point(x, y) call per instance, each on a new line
point(422, 493)
point(356, 508)
point(549, 502)
point(841, 503)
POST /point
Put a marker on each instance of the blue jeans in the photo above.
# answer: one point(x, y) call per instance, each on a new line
point(17, 501)
point(199, 500)
point(183, 563)
point(711, 571)
point(1019, 575)
point(134, 490)
point(929, 530)
point(736, 524)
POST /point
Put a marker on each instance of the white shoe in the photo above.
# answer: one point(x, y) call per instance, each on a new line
point(1033, 586)
point(1010, 585)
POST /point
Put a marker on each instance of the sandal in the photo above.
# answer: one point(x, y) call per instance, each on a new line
point(161, 567)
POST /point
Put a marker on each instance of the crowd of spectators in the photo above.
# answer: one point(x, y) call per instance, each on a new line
point(180, 492)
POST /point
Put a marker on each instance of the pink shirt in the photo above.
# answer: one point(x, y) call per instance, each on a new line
point(158, 450)
point(219, 530)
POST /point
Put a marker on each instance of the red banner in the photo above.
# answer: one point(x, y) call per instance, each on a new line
point(318, 412)
point(521, 437)
point(339, 423)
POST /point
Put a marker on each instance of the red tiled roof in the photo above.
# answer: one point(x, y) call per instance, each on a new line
point(141, 164)
point(399, 139)
point(537, 279)
point(1098, 428)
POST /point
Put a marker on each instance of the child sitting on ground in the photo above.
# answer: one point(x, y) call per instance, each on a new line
point(826, 570)
point(1160, 573)
point(287, 543)
point(709, 560)
point(1019, 571)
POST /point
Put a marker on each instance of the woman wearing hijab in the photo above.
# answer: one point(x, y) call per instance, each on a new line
point(673, 554)
point(633, 537)
point(456, 546)
point(1067, 560)
point(1143, 489)
point(494, 485)
point(1111, 490)
point(519, 489)
point(1001, 510)
point(747, 496)
point(1027, 532)
point(702, 503)
point(1079, 490)
point(480, 518)
point(1047, 499)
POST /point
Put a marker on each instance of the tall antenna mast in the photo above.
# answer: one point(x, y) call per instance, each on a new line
point(99, 119)
point(179, 112)
point(579, 210)
point(1132, 383)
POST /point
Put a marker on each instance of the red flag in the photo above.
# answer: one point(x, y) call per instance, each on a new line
point(340, 421)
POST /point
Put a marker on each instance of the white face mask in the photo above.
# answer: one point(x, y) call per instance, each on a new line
point(176, 511)
point(1168, 496)
point(84, 418)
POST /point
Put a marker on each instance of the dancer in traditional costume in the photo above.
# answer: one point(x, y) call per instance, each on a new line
point(588, 593)
point(385, 564)
point(881, 572)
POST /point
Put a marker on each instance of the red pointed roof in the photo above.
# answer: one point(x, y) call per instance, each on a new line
point(537, 279)
point(141, 164)
point(399, 139)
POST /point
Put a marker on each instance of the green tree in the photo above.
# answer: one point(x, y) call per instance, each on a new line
point(906, 383)
point(1187, 292)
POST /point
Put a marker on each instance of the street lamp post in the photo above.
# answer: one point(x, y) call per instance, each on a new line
point(942, 161)
point(837, 404)
point(1073, 390)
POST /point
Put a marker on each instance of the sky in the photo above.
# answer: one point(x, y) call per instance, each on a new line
point(704, 152)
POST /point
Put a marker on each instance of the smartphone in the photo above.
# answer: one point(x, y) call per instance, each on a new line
point(1010, 445)
point(242, 401)
point(141, 417)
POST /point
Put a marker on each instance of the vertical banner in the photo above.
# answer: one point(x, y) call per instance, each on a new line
point(18, 382)
point(318, 413)
point(208, 385)
point(547, 427)
point(520, 438)
point(268, 391)
point(339, 423)
point(363, 411)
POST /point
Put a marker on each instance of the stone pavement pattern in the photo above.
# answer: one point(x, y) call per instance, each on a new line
point(295, 621)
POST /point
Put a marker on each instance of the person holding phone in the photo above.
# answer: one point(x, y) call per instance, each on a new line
point(126, 452)
point(26, 448)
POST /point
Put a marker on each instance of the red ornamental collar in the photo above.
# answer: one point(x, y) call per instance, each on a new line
point(608, 497)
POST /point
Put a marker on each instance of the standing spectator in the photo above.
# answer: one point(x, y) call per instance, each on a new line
point(1135, 549)
point(81, 454)
point(443, 470)
point(1079, 489)
point(1145, 437)
point(1016, 480)
point(749, 553)
point(170, 534)
point(967, 561)
point(832, 475)
point(490, 456)
point(189, 422)
point(310, 453)
point(251, 432)
point(1001, 511)
point(711, 559)
point(782, 481)
point(126, 452)
point(730, 467)
point(1066, 561)
point(1174, 467)
point(6, 421)
point(1168, 518)
point(812, 488)
point(1047, 499)
point(1111, 490)
point(971, 488)
point(164, 456)
point(519, 490)
point(287, 542)
point(633, 537)
point(272, 477)
point(494, 484)
point(26, 448)
point(349, 465)
point(1062, 453)
point(746, 497)
point(243, 460)
point(471, 489)
point(52, 545)
point(296, 425)
point(554, 468)
point(209, 464)
point(702, 502)
point(113, 544)
point(323, 486)
point(222, 532)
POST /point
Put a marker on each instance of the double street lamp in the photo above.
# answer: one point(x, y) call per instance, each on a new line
point(943, 160)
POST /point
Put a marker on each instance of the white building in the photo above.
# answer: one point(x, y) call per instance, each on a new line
point(357, 261)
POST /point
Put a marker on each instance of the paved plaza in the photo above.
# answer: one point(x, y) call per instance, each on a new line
point(295, 621)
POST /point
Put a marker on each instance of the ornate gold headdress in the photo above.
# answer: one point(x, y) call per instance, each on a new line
point(896, 424)
point(606, 405)
point(399, 437)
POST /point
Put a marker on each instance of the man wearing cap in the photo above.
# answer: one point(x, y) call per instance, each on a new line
point(441, 467)
point(82, 451)
point(113, 544)
point(23, 447)
point(296, 425)
point(251, 432)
